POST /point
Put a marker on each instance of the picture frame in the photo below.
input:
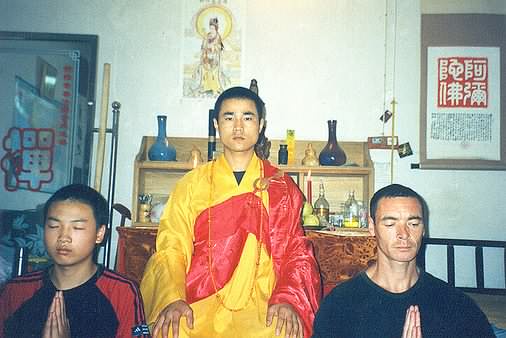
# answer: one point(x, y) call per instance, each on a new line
point(464, 134)
point(49, 84)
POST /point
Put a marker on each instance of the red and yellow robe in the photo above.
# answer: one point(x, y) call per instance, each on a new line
point(179, 269)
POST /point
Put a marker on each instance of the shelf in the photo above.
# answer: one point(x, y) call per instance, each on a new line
point(342, 231)
point(159, 177)
point(185, 166)
point(173, 165)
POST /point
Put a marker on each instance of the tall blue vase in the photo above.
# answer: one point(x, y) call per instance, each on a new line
point(161, 150)
point(332, 153)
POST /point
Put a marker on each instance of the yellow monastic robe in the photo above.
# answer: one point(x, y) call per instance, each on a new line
point(180, 267)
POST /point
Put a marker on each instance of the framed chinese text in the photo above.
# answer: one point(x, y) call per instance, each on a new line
point(47, 111)
point(463, 119)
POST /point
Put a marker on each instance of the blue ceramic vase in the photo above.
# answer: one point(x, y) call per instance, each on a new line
point(332, 153)
point(161, 150)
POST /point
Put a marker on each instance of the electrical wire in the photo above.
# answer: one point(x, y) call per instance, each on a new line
point(394, 102)
point(385, 69)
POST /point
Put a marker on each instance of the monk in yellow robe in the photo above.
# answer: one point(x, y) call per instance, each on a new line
point(231, 254)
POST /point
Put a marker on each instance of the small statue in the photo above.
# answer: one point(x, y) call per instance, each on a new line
point(263, 145)
point(310, 158)
point(253, 86)
point(195, 157)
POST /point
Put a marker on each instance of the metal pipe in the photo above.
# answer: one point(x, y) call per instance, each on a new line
point(112, 179)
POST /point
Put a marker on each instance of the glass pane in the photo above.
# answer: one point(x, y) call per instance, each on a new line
point(47, 104)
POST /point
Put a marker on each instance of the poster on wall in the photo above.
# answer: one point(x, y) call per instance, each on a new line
point(463, 103)
point(212, 46)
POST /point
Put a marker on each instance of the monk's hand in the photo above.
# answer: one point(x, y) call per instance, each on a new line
point(412, 323)
point(171, 315)
point(287, 317)
point(57, 324)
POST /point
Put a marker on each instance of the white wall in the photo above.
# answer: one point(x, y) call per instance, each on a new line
point(314, 60)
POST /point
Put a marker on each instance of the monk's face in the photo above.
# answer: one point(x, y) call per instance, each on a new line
point(238, 125)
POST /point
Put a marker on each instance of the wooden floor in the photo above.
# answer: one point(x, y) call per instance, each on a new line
point(493, 306)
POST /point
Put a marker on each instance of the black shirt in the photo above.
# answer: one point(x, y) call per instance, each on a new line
point(360, 308)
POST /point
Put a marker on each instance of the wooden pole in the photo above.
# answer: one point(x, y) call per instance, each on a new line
point(102, 127)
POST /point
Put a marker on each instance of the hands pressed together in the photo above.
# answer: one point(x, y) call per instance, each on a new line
point(57, 324)
point(170, 316)
point(412, 324)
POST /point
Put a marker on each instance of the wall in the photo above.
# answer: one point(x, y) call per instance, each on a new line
point(314, 60)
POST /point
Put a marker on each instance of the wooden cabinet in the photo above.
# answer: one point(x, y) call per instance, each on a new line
point(340, 255)
point(135, 246)
point(158, 178)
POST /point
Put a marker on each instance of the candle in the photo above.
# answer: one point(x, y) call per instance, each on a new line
point(309, 188)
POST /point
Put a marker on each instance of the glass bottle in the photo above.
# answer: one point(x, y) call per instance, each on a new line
point(283, 154)
point(351, 209)
point(321, 205)
point(332, 153)
point(362, 214)
point(161, 150)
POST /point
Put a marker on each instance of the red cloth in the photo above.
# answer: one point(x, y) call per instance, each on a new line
point(297, 276)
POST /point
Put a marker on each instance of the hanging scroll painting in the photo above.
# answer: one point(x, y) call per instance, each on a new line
point(212, 47)
point(463, 106)
point(463, 92)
